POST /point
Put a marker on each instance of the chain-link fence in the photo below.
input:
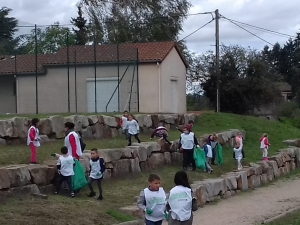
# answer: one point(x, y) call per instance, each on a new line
point(57, 76)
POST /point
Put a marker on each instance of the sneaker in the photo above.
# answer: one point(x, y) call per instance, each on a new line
point(92, 194)
point(129, 144)
point(72, 195)
point(56, 192)
point(33, 163)
point(100, 198)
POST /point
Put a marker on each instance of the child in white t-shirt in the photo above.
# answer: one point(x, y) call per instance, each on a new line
point(65, 168)
point(123, 124)
point(152, 201)
point(238, 155)
point(133, 129)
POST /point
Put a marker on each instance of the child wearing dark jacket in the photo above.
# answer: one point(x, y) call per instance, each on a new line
point(96, 173)
point(161, 132)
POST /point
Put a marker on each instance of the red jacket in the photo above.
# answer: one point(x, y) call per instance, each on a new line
point(266, 141)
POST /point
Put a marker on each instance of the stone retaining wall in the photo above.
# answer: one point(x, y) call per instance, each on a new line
point(251, 177)
point(119, 163)
point(14, 130)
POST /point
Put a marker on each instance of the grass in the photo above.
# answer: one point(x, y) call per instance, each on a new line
point(121, 192)
point(289, 219)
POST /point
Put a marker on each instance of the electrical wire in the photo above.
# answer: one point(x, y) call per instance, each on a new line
point(197, 30)
point(249, 32)
point(258, 28)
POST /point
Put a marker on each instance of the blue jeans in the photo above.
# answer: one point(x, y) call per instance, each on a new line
point(148, 222)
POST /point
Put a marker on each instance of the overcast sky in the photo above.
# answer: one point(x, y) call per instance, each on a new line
point(277, 15)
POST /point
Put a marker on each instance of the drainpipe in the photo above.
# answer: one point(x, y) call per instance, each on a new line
point(159, 88)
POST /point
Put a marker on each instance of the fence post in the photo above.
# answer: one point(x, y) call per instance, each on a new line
point(36, 72)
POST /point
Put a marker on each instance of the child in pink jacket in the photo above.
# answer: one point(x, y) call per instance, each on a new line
point(264, 146)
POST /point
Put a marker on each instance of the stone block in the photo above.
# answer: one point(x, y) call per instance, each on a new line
point(176, 157)
point(258, 168)
point(107, 174)
point(20, 127)
point(156, 160)
point(45, 126)
point(274, 165)
point(57, 123)
point(278, 158)
point(264, 178)
point(242, 182)
point(39, 174)
point(200, 193)
point(18, 175)
point(4, 179)
point(144, 166)
point(230, 180)
point(134, 166)
point(167, 156)
point(121, 167)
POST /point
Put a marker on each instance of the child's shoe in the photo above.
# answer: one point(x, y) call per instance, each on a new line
point(72, 195)
point(92, 194)
point(100, 198)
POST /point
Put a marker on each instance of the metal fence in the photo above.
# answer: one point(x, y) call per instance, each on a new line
point(62, 77)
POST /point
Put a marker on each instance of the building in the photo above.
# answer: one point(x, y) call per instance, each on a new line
point(139, 77)
point(285, 89)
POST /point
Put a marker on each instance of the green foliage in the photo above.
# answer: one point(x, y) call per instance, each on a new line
point(49, 40)
point(82, 33)
point(246, 81)
point(137, 21)
point(8, 27)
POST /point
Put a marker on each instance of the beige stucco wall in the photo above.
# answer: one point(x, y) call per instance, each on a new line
point(173, 68)
point(7, 96)
point(53, 89)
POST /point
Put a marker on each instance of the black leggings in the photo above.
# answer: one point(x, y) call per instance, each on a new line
point(136, 136)
point(68, 180)
point(188, 157)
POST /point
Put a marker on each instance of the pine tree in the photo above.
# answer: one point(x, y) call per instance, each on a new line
point(81, 23)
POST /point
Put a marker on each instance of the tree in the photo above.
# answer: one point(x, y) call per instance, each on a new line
point(49, 40)
point(81, 23)
point(137, 21)
point(8, 27)
point(246, 81)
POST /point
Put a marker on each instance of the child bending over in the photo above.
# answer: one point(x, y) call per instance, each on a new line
point(161, 132)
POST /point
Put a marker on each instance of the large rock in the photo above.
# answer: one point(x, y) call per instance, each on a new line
point(167, 156)
point(264, 165)
point(85, 164)
point(134, 166)
point(274, 165)
point(6, 128)
point(4, 179)
point(156, 160)
point(188, 117)
point(144, 120)
point(80, 121)
point(58, 126)
point(20, 191)
point(2, 142)
point(111, 155)
point(39, 174)
point(199, 191)
point(254, 181)
point(258, 168)
point(230, 180)
point(214, 187)
point(278, 158)
point(149, 146)
point(121, 167)
point(176, 157)
point(174, 146)
point(20, 127)
point(242, 182)
point(140, 152)
point(87, 133)
point(18, 175)
point(93, 119)
point(295, 142)
point(45, 126)
point(264, 178)
point(98, 131)
point(108, 120)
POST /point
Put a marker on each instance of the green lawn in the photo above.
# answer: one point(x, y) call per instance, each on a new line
point(290, 219)
point(121, 192)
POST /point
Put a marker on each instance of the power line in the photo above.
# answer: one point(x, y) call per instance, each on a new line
point(259, 28)
point(197, 30)
point(248, 31)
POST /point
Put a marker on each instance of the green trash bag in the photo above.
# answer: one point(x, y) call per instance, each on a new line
point(78, 179)
point(199, 157)
point(219, 154)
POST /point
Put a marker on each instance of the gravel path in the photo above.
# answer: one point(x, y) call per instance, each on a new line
point(252, 207)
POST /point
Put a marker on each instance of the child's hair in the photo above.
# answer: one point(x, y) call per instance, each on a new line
point(191, 122)
point(34, 121)
point(64, 150)
point(69, 125)
point(94, 150)
point(153, 177)
point(125, 112)
point(265, 135)
point(181, 178)
point(132, 116)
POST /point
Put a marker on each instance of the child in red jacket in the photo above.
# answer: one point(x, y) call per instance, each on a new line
point(264, 145)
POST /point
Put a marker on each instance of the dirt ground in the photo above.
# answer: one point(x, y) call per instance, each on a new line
point(252, 207)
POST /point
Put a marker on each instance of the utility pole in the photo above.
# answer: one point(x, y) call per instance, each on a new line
point(36, 71)
point(218, 58)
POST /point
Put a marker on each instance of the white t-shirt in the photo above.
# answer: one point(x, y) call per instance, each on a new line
point(124, 122)
point(133, 127)
point(180, 201)
point(66, 165)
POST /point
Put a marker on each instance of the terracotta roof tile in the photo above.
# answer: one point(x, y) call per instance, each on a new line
point(144, 52)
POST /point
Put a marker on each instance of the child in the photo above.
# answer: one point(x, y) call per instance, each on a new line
point(212, 141)
point(65, 166)
point(72, 141)
point(189, 125)
point(33, 139)
point(133, 129)
point(124, 124)
point(180, 201)
point(264, 145)
point(161, 132)
point(97, 168)
point(152, 201)
point(238, 155)
point(208, 154)
point(187, 142)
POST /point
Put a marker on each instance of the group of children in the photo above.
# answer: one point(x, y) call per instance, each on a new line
point(177, 209)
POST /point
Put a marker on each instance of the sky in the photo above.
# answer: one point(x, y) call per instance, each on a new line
point(276, 15)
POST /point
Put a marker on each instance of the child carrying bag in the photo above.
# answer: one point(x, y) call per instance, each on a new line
point(78, 179)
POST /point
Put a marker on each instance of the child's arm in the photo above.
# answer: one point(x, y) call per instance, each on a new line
point(58, 165)
point(141, 202)
point(102, 165)
point(137, 127)
point(196, 141)
point(266, 142)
